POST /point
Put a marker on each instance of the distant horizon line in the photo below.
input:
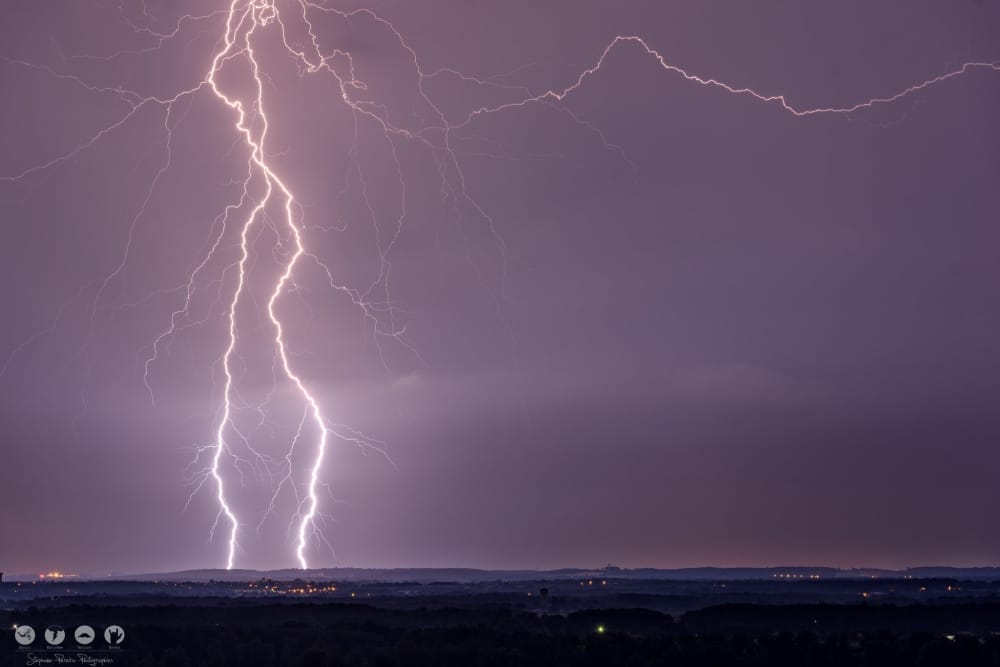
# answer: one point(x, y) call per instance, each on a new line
point(223, 573)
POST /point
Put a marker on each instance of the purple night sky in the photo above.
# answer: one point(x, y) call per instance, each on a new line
point(653, 323)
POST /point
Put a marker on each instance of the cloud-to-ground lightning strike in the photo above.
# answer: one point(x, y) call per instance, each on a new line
point(263, 190)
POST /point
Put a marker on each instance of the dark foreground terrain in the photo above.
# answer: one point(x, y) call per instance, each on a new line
point(298, 623)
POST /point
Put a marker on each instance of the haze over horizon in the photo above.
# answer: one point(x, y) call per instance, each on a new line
point(790, 572)
point(687, 328)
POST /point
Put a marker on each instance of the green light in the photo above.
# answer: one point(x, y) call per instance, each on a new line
point(600, 629)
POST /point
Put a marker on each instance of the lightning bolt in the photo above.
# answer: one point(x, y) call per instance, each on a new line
point(263, 190)
point(244, 19)
point(558, 95)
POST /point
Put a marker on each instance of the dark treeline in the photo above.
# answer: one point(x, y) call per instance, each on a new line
point(319, 635)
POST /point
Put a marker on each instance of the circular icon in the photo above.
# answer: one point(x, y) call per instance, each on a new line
point(84, 635)
point(24, 634)
point(114, 635)
point(54, 635)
